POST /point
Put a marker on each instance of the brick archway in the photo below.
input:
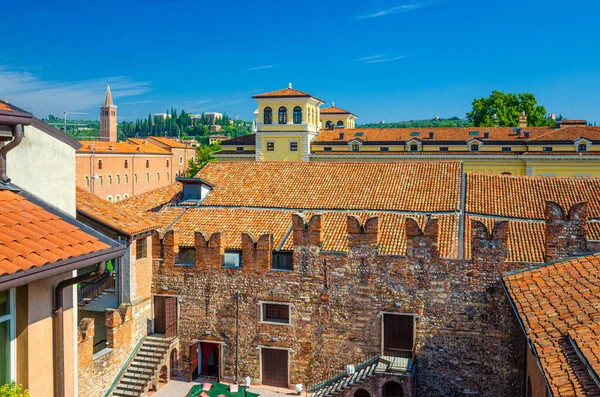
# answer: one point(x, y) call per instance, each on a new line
point(392, 389)
point(362, 393)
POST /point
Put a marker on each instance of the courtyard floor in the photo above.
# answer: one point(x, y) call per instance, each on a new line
point(179, 387)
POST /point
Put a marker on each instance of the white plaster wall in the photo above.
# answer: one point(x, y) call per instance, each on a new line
point(45, 167)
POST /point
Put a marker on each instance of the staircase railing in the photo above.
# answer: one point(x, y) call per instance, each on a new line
point(97, 287)
point(336, 374)
point(115, 382)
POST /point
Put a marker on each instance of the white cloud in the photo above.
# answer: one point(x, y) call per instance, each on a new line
point(379, 59)
point(261, 67)
point(397, 10)
point(43, 97)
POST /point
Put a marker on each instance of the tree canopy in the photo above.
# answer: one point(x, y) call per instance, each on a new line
point(503, 110)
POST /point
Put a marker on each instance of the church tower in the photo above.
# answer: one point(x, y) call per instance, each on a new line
point(108, 119)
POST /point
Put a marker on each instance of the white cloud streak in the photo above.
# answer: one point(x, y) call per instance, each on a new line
point(379, 59)
point(397, 10)
point(261, 67)
point(43, 97)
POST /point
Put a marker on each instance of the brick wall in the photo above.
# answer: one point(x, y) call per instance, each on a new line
point(96, 373)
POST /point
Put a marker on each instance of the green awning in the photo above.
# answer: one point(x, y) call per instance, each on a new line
point(219, 388)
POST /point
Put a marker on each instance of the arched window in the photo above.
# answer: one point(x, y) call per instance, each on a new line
point(109, 180)
point(117, 198)
point(126, 179)
point(147, 163)
point(168, 177)
point(297, 115)
point(87, 181)
point(99, 164)
point(125, 196)
point(167, 163)
point(268, 116)
point(126, 165)
point(581, 147)
point(283, 115)
point(392, 389)
point(328, 124)
point(109, 198)
point(180, 159)
point(340, 123)
point(99, 180)
point(118, 179)
point(506, 173)
point(158, 176)
point(147, 177)
point(134, 178)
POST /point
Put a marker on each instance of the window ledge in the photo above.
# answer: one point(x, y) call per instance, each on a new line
point(102, 353)
point(231, 267)
point(185, 264)
point(282, 270)
point(276, 323)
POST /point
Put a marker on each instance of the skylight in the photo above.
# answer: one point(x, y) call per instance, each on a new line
point(415, 133)
point(473, 132)
point(359, 134)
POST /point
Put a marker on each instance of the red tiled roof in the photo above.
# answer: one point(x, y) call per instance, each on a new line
point(552, 301)
point(334, 110)
point(153, 200)
point(525, 197)
point(116, 217)
point(399, 186)
point(570, 134)
point(586, 340)
point(5, 108)
point(170, 142)
point(249, 139)
point(31, 236)
point(286, 93)
point(131, 146)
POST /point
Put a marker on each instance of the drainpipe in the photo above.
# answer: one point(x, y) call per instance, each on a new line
point(58, 339)
point(237, 334)
point(17, 138)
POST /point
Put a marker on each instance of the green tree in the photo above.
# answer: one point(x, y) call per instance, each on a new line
point(13, 390)
point(503, 110)
point(203, 156)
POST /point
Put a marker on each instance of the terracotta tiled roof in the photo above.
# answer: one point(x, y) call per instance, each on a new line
point(153, 200)
point(31, 236)
point(249, 139)
point(116, 217)
point(286, 92)
point(420, 154)
point(170, 142)
point(399, 186)
point(586, 340)
point(440, 134)
point(334, 110)
point(552, 301)
point(525, 197)
point(135, 146)
point(5, 108)
point(570, 134)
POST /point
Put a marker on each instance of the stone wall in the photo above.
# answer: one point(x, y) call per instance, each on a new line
point(97, 372)
point(467, 336)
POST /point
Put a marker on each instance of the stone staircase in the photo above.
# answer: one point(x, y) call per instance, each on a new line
point(375, 366)
point(143, 369)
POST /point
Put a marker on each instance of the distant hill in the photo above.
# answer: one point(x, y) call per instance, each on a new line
point(432, 123)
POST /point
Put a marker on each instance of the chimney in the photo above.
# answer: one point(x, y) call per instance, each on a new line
point(526, 133)
point(523, 120)
point(486, 134)
point(111, 147)
point(431, 133)
point(558, 124)
point(342, 135)
point(518, 131)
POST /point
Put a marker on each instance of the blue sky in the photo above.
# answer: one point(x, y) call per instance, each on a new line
point(381, 59)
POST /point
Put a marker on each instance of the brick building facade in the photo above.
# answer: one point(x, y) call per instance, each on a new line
point(416, 244)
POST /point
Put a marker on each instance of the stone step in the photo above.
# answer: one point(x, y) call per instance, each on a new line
point(134, 380)
point(123, 386)
point(140, 371)
point(143, 354)
point(126, 393)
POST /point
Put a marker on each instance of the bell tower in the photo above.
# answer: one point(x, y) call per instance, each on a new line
point(108, 119)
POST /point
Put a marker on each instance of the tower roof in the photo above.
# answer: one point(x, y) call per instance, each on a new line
point(286, 93)
point(108, 98)
point(335, 110)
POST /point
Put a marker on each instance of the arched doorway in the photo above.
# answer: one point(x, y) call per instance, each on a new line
point(362, 393)
point(173, 363)
point(392, 389)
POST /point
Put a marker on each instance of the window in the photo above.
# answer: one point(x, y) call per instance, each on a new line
point(232, 259)
point(328, 124)
point(506, 173)
point(270, 146)
point(283, 261)
point(283, 115)
point(167, 163)
point(327, 149)
point(126, 178)
point(473, 132)
point(359, 134)
point(268, 115)
point(147, 163)
point(276, 313)
point(99, 164)
point(293, 146)
point(134, 178)
point(180, 159)
point(443, 148)
point(340, 123)
point(126, 164)
point(581, 147)
point(239, 149)
point(87, 181)
point(117, 198)
point(125, 196)
point(109, 198)
point(99, 180)
point(158, 176)
point(297, 115)
point(168, 177)
point(141, 248)
point(475, 148)
point(506, 148)
point(118, 179)
point(547, 148)
point(186, 257)
point(384, 149)
point(147, 177)
point(415, 133)
point(109, 179)
point(414, 148)
point(7, 336)
point(356, 148)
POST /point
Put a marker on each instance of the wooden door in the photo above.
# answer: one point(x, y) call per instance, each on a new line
point(275, 367)
point(159, 314)
point(170, 317)
point(398, 335)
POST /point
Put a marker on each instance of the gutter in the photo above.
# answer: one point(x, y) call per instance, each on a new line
point(16, 121)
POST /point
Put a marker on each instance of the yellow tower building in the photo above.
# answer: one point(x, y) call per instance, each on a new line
point(333, 117)
point(288, 121)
